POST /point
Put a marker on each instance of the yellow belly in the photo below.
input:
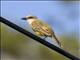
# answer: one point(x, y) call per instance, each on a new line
point(39, 34)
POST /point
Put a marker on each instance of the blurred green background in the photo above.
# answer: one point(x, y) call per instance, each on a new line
point(16, 46)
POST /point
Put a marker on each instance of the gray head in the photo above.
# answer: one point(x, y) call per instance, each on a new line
point(29, 17)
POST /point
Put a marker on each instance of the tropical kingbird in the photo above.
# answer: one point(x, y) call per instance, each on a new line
point(41, 28)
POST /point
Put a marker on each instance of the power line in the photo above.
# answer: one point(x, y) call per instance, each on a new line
point(38, 39)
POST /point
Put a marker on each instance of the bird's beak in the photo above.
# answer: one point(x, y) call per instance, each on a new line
point(24, 18)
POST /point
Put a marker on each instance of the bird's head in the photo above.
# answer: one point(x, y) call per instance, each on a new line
point(29, 17)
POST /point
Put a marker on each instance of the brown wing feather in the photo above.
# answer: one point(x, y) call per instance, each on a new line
point(42, 28)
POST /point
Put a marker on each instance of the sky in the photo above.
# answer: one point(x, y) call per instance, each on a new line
point(61, 16)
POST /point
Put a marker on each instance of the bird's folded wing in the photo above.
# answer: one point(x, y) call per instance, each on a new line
point(42, 27)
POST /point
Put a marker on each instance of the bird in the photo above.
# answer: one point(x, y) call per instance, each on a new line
point(41, 28)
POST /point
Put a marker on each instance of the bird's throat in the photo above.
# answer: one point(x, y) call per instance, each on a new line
point(30, 21)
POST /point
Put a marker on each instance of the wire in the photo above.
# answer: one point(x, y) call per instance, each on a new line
point(38, 39)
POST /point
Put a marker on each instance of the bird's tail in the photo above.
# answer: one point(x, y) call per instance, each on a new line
point(54, 37)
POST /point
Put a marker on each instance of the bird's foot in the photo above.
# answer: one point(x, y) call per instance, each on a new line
point(45, 37)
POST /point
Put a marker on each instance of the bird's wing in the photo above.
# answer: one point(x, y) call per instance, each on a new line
point(42, 27)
